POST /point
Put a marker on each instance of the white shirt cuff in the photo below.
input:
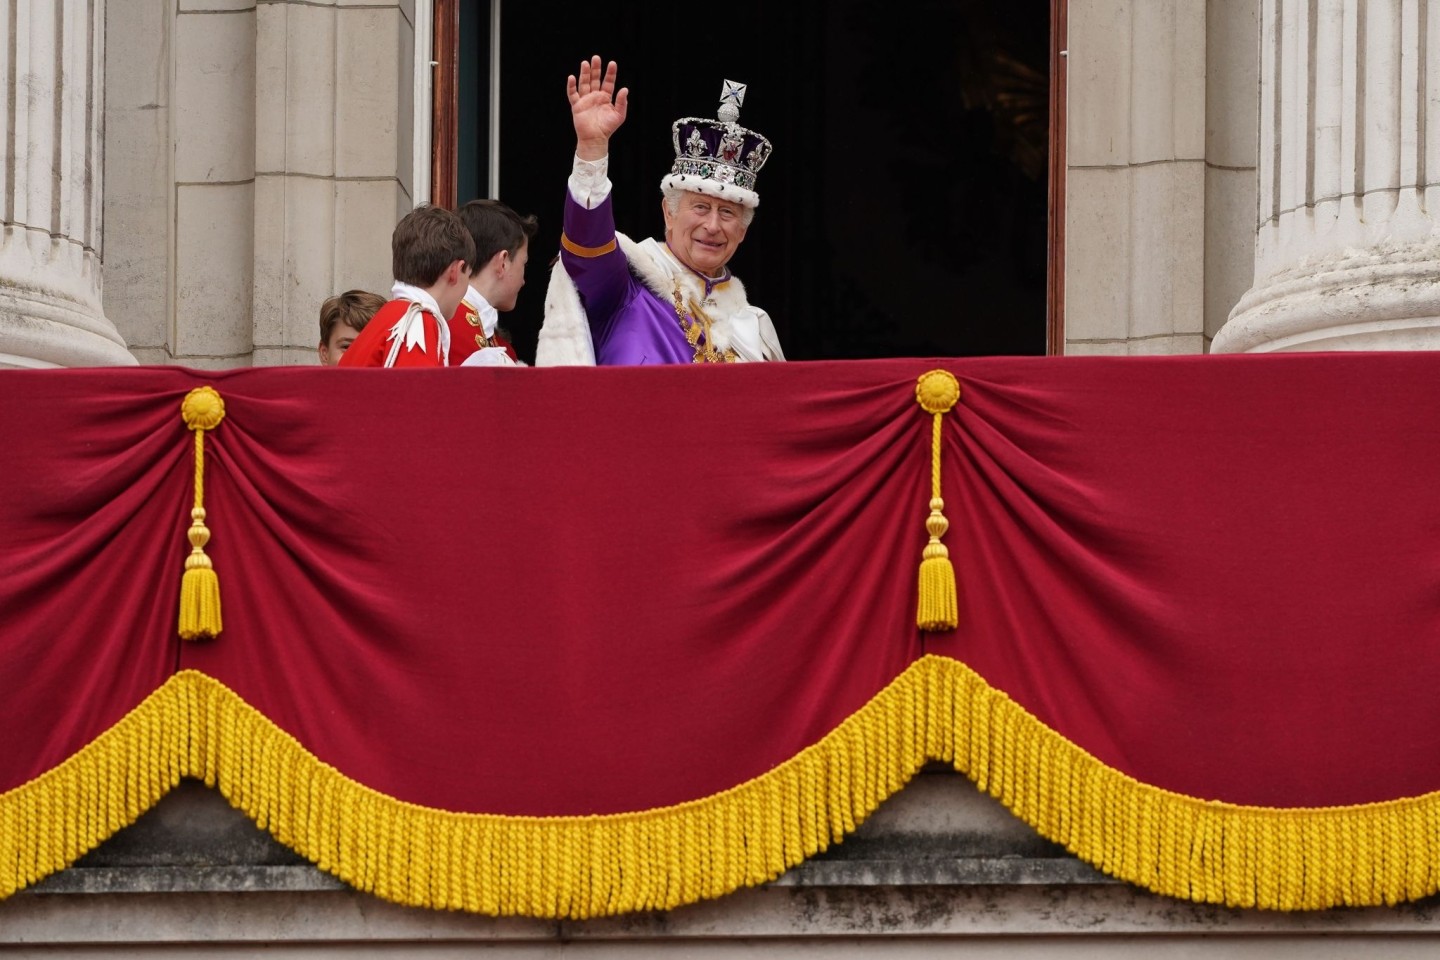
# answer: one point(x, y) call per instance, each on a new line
point(590, 181)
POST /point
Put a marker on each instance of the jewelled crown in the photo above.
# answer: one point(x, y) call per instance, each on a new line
point(718, 156)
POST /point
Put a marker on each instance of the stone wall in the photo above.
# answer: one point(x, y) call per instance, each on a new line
point(260, 154)
point(1159, 231)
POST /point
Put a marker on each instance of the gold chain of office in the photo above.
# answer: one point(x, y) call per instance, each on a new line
point(696, 324)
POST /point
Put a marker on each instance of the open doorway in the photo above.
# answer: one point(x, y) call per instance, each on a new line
point(904, 210)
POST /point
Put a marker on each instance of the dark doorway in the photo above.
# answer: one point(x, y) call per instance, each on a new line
point(903, 211)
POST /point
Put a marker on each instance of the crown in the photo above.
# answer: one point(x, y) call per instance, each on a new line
point(718, 157)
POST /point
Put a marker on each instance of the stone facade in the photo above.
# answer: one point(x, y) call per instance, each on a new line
point(262, 152)
point(256, 152)
point(1160, 193)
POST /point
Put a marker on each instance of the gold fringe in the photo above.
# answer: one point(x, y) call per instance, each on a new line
point(554, 867)
point(1297, 858)
point(580, 867)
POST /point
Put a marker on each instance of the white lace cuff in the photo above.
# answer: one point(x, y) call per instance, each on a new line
point(590, 182)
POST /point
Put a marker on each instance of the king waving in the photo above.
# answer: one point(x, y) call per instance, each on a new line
point(615, 301)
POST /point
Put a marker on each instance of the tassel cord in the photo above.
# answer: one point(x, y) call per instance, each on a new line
point(202, 409)
point(937, 606)
point(199, 468)
point(935, 444)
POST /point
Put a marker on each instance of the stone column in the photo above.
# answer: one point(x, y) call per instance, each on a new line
point(52, 58)
point(1347, 252)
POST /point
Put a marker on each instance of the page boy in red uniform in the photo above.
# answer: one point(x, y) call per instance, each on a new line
point(430, 252)
point(502, 248)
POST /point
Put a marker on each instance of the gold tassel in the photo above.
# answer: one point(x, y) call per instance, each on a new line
point(202, 409)
point(937, 392)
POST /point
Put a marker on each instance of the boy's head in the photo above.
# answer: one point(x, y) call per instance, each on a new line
point(341, 320)
point(432, 250)
point(502, 248)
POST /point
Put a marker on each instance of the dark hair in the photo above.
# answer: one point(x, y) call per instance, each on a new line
point(353, 308)
point(495, 227)
point(426, 241)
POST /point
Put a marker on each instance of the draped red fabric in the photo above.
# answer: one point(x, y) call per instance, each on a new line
point(94, 502)
point(1220, 575)
point(588, 591)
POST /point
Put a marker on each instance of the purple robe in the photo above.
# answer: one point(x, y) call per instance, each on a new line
point(629, 323)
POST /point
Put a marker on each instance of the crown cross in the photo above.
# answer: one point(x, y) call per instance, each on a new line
point(732, 96)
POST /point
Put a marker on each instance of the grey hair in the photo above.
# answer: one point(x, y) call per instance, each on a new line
point(672, 203)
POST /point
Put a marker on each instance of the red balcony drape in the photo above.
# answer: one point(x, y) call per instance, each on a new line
point(1188, 588)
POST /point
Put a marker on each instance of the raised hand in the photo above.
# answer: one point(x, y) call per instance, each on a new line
point(596, 109)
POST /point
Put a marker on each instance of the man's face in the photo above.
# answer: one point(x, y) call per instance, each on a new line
point(704, 232)
point(513, 278)
point(341, 336)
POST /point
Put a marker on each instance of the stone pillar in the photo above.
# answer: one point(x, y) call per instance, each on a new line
point(1348, 249)
point(52, 56)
